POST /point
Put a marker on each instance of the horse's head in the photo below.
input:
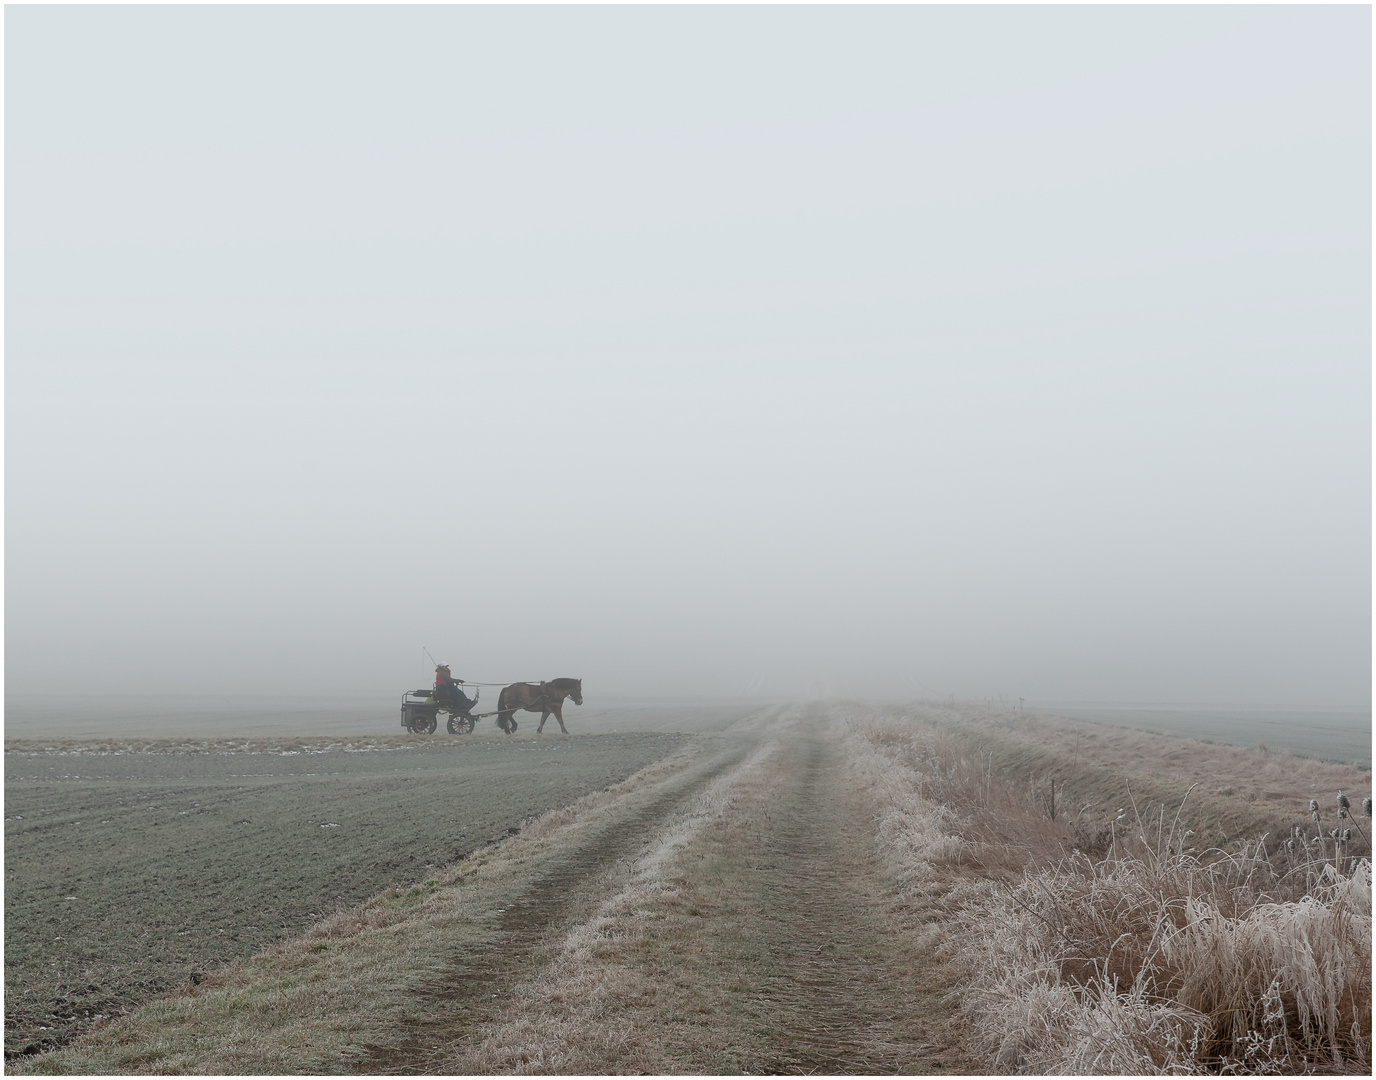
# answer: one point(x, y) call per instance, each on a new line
point(577, 692)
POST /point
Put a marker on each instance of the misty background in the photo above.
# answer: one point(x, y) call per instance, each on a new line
point(901, 352)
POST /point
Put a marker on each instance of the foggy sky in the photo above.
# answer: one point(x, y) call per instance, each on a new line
point(900, 351)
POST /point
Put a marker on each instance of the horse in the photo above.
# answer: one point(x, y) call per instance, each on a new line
point(544, 698)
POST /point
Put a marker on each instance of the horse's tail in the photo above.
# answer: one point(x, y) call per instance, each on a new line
point(504, 713)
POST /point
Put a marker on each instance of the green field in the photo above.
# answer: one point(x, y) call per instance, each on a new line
point(132, 866)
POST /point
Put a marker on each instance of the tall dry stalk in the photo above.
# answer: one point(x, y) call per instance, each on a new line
point(1152, 958)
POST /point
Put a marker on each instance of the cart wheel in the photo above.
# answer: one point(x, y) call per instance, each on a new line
point(424, 725)
point(460, 725)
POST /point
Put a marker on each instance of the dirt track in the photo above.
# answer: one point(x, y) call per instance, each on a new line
point(478, 982)
point(776, 953)
point(842, 996)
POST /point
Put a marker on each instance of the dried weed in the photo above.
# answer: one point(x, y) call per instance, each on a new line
point(1132, 951)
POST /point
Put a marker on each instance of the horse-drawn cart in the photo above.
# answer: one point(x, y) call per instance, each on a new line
point(420, 711)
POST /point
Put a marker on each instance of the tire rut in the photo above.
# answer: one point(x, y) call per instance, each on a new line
point(841, 1002)
point(477, 985)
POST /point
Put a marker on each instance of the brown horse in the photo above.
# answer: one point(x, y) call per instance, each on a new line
point(544, 698)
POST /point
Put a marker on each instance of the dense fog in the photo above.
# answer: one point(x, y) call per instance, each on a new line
point(767, 352)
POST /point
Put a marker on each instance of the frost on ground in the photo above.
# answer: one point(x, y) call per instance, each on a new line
point(561, 1022)
point(723, 910)
point(914, 832)
point(1152, 958)
point(1146, 964)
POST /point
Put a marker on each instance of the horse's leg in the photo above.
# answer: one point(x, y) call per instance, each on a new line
point(559, 715)
point(543, 717)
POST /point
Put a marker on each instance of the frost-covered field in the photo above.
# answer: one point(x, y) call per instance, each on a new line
point(134, 865)
point(1329, 734)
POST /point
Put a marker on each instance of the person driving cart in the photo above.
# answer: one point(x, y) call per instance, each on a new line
point(447, 687)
